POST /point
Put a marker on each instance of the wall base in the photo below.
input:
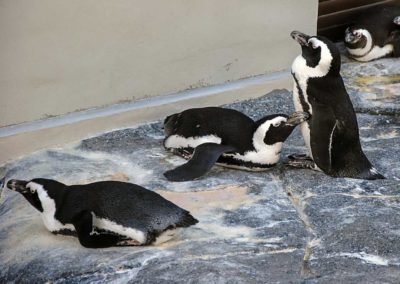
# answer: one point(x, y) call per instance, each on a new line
point(22, 139)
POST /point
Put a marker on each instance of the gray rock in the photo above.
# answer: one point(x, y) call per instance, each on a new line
point(280, 226)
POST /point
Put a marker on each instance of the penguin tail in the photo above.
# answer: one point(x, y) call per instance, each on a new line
point(371, 174)
point(186, 220)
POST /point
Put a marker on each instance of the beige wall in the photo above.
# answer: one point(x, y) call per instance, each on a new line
point(59, 56)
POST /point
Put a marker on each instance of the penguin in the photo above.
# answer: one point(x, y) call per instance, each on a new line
point(397, 20)
point(227, 137)
point(331, 133)
point(375, 34)
point(105, 213)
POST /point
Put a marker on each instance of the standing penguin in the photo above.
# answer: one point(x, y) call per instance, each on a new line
point(104, 214)
point(331, 133)
point(227, 137)
point(374, 34)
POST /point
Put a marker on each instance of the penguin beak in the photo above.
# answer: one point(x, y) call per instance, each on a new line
point(297, 118)
point(301, 38)
point(17, 185)
point(351, 35)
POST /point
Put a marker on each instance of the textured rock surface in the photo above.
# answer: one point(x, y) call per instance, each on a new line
point(279, 226)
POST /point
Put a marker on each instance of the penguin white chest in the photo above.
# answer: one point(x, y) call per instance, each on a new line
point(49, 211)
point(376, 52)
point(297, 99)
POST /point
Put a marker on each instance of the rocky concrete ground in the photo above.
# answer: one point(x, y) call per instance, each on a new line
point(280, 226)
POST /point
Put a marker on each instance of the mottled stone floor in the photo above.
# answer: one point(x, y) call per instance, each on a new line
point(280, 226)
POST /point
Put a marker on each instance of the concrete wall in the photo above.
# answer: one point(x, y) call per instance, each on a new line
point(60, 56)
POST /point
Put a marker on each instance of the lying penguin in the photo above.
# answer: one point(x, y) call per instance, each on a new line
point(105, 213)
point(227, 137)
point(331, 133)
point(375, 34)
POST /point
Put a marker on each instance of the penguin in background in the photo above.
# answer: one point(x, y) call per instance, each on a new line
point(374, 34)
point(226, 137)
point(104, 214)
point(331, 134)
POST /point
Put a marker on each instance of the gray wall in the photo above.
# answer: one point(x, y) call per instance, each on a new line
point(60, 56)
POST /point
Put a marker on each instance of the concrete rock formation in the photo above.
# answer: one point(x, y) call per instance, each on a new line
point(284, 225)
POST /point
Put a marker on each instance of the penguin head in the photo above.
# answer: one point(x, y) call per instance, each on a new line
point(33, 189)
point(319, 56)
point(397, 20)
point(276, 128)
point(356, 36)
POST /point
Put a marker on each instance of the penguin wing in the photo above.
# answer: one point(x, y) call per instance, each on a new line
point(324, 127)
point(131, 206)
point(204, 157)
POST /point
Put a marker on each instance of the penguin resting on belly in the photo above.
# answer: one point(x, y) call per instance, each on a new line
point(104, 214)
point(331, 134)
point(375, 34)
point(227, 137)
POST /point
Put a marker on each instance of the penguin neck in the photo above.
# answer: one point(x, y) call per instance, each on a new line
point(49, 201)
point(362, 51)
point(269, 152)
point(303, 72)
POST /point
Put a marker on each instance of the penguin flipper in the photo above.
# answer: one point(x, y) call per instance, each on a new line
point(204, 157)
point(83, 223)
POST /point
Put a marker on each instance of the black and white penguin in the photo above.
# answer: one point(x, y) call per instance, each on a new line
point(105, 213)
point(331, 134)
point(374, 34)
point(227, 137)
point(397, 20)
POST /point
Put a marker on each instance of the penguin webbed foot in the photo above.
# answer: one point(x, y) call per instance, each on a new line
point(128, 243)
point(83, 223)
point(185, 153)
point(300, 161)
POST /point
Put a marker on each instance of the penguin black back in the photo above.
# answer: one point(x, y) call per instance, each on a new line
point(233, 127)
point(121, 200)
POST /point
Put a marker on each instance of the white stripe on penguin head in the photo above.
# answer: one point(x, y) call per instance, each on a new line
point(362, 50)
point(303, 72)
point(263, 154)
point(49, 209)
